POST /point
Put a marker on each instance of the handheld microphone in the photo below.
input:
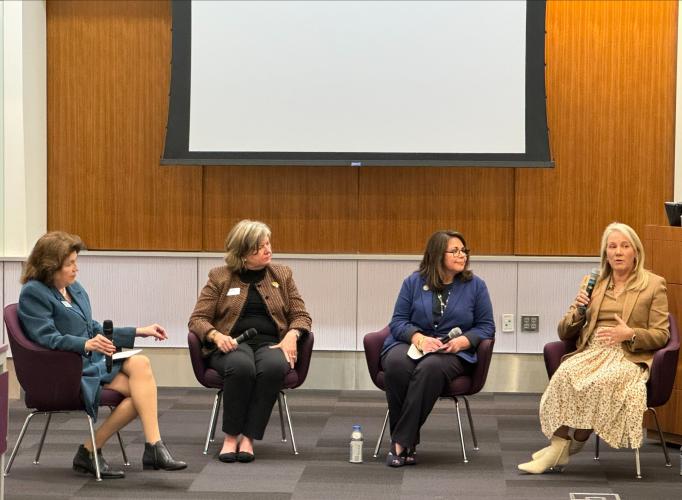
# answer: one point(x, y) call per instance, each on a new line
point(108, 332)
point(594, 275)
point(454, 333)
point(246, 335)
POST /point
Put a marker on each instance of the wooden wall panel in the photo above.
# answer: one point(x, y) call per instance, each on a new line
point(611, 102)
point(108, 81)
point(611, 111)
point(401, 207)
point(310, 209)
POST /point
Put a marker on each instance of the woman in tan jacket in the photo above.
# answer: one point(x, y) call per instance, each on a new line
point(249, 292)
point(601, 386)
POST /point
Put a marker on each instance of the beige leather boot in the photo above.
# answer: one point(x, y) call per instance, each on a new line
point(575, 447)
point(555, 456)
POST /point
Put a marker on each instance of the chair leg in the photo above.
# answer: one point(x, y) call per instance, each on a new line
point(19, 440)
point(596, 447)
point(42, 439)
point(94, 447)
point(637, 465)
point(215, 416)
point(381, 435)
point(291, 429)
point(660, 436)
point(461, 434)
point(281, 417)
point(471, 423)
point(212, 421)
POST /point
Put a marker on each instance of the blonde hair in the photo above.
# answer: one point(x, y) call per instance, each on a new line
point(243, 240)
point(48, 256)
point(641, 276)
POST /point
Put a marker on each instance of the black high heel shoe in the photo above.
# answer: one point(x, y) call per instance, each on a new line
point(395, 460)
point(156, 456)
point(84, 461)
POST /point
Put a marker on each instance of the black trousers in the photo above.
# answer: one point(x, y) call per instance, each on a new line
point(251, 382)
point(413, 387)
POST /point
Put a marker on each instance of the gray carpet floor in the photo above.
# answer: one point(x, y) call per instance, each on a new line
point(506, 425)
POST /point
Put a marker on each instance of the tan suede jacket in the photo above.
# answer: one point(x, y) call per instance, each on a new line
point(645, 311)
point(215, 309)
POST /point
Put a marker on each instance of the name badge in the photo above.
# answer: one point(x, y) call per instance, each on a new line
point(66, 303)
point(233, 291)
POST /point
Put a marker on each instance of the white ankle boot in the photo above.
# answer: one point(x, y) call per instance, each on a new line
point(555, 455)
point(575, 447)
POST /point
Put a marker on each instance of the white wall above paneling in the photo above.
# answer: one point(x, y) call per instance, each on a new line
point(137, 291)
point(501, 278)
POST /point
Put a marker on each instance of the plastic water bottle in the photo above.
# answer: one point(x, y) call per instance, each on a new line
point(356, 442)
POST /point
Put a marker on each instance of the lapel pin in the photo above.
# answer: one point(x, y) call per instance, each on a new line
point(275, 284)
point(425, 288)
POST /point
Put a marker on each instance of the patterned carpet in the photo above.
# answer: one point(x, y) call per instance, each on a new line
point(506, 426)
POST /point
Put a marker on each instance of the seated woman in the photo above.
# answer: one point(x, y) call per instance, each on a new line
point(249, 292)
point(601, 386)
point(54, 310)
point(441, 296)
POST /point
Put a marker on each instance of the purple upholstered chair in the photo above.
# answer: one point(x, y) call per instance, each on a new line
point(460, 387)
point(210, 378)
point(51, 383)
point(658, 387)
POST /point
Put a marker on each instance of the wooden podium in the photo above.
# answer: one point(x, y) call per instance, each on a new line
point(663, 247)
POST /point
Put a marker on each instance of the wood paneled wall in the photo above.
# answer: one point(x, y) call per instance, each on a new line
point(611, 104)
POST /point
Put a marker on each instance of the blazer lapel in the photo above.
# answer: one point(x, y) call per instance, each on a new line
point(77, 297)
point(629, 303)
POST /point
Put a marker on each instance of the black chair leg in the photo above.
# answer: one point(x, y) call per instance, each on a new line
point(471, 423)
point(660, 436)
point(42, 438)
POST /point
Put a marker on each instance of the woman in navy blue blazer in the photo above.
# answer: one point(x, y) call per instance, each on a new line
point(443, 296)
point(54, 310)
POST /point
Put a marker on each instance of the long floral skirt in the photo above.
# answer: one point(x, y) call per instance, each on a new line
point(597, 389)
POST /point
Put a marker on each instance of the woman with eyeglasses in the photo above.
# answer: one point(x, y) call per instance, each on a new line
point(249, 292)
point(443, 296)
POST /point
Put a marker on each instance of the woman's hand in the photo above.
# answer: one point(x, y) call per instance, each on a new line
point(224, 343)
point(582, 299)
point(288, 346)
point(99, 343)
point(156, 331)
point(430, 344)
point(612, 335)
point(460, 343)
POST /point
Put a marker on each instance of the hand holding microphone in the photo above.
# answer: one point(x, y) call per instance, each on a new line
point(108, 332)
point(225, 343)
point(583, 298)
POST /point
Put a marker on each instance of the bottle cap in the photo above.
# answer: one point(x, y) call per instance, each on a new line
point(357, 427)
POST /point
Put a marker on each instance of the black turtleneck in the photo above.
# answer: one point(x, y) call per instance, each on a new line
point(255, 313)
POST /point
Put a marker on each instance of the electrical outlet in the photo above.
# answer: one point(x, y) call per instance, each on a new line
point(507, 323)
point(530, 323)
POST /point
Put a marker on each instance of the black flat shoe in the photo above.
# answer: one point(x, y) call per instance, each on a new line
point(84, 461)
point(245, 457)
point(156, 456)
point(395, 460)
point(228, 458)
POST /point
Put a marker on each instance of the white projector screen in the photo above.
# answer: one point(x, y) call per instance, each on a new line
point(354, 83)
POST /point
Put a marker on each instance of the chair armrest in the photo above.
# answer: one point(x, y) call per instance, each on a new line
point(662, 375)
point(373, 343)
point(554, 351)
point(52, 380)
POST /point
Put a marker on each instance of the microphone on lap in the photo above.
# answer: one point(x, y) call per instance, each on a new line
point(452, 334)
point(246, 335)
point(594, 275)
point(108, 332)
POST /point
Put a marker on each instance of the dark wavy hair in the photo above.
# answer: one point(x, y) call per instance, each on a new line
point(432, 268)
point(48, 256)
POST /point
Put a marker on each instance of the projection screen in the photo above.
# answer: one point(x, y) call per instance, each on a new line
point(358, 83)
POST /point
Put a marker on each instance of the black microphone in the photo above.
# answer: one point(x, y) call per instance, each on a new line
point(108, 332)
point(454, 333)
point(246, 335)
point(594, 275)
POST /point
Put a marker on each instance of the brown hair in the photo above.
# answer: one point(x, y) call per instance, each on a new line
point(48, 256)
point(431, 267)
point(243, 240)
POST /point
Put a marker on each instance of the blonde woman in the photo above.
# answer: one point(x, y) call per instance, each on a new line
point(601, 387)
point(249, 292)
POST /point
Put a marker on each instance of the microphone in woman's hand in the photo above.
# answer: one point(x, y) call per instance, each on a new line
point(454, 333)
point(246, 335)
point(589, 287)
point(108, 332)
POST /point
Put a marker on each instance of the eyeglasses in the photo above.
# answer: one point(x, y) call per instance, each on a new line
point(458, 251)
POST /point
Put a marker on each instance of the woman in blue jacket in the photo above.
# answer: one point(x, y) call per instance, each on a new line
point(54, 310)
point(443, 296)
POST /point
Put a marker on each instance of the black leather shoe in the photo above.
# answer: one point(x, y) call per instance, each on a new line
point(228, 457)
point(245, 457)
point(156, 456)
point(84, 461)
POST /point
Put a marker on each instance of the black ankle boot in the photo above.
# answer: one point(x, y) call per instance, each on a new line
point(84, 461)
point(156, 456)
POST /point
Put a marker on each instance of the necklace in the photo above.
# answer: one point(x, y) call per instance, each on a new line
point(443, 305)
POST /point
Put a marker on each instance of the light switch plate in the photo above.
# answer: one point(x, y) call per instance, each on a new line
point(507, 323)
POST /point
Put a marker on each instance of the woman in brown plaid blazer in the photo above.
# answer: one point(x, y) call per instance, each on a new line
point(249, 292)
